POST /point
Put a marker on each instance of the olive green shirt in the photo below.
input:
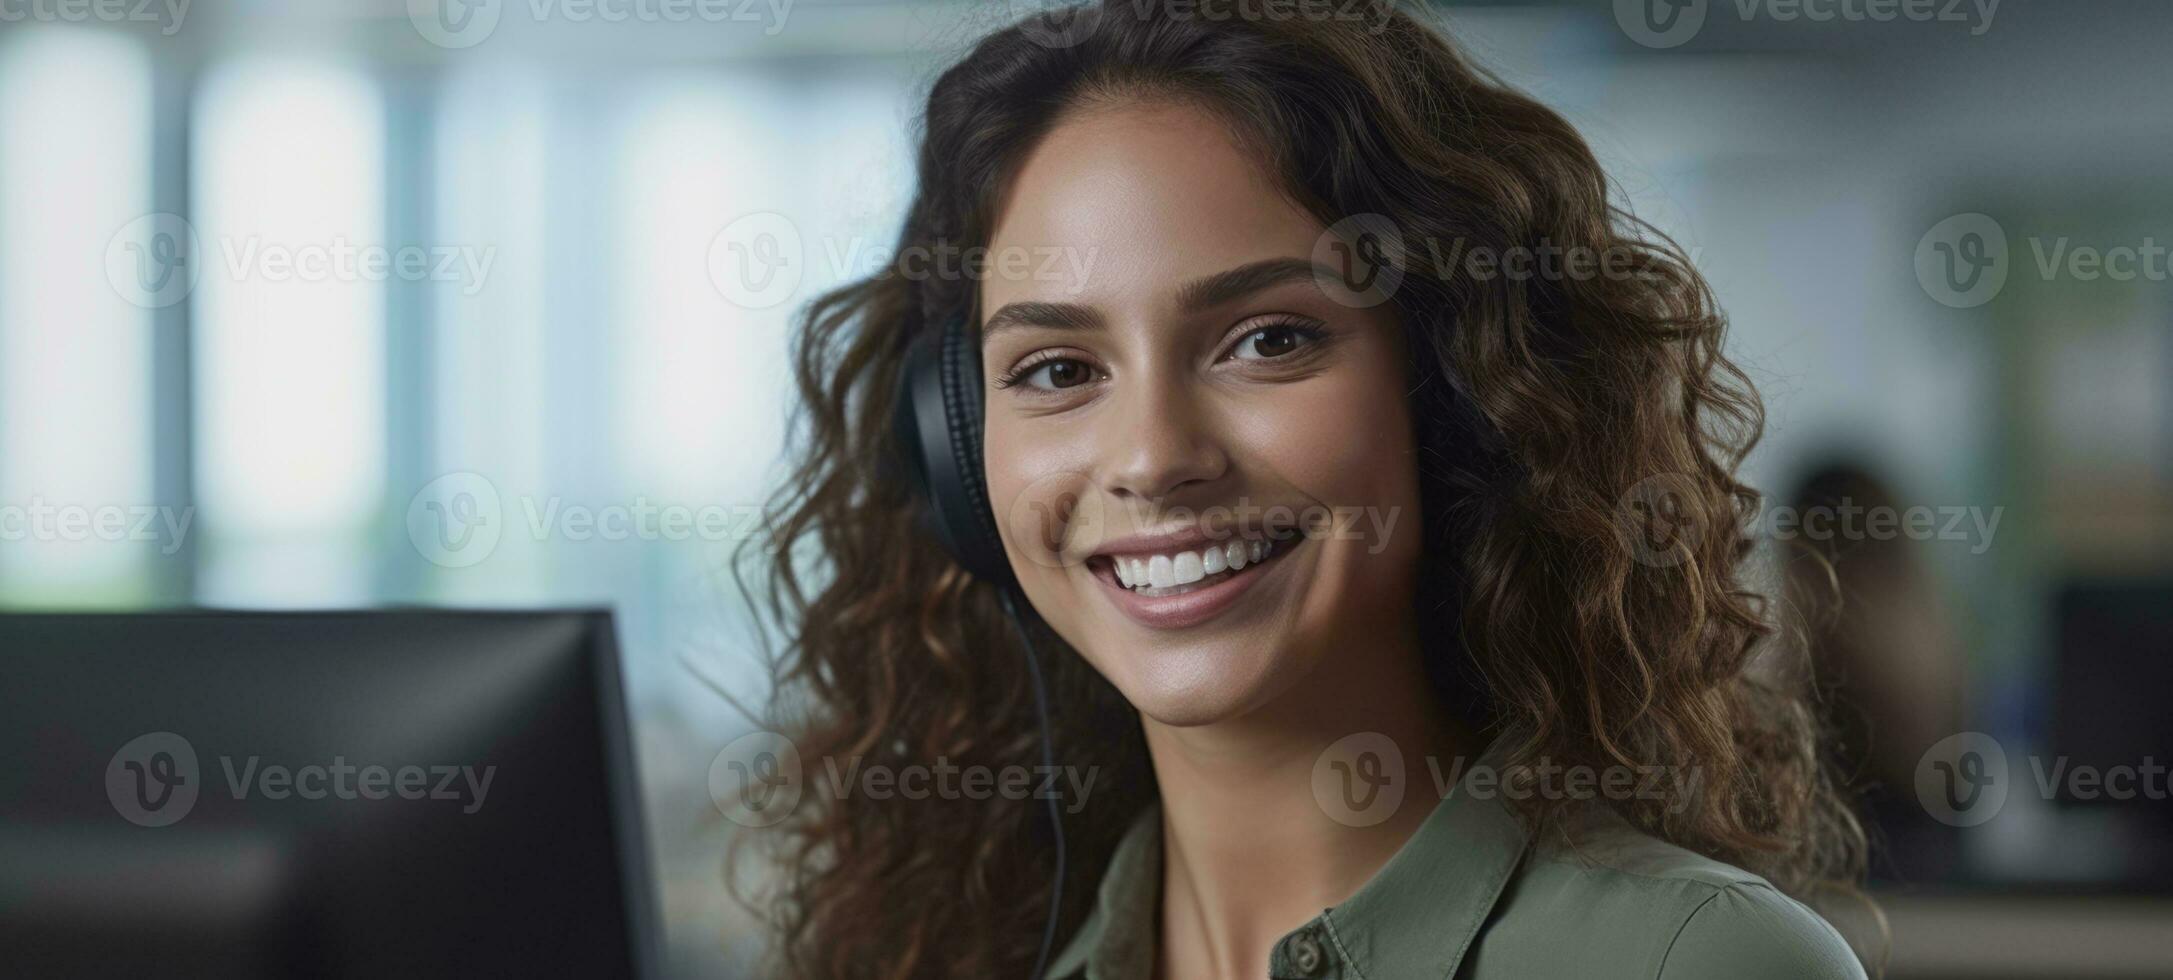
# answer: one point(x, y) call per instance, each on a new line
point(1469, 896)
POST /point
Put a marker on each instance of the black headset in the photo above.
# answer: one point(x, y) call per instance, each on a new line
point(937, 423)
point(938, 428)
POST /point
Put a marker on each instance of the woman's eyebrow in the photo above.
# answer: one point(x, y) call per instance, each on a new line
point(1029, 313)
point(1206, 292)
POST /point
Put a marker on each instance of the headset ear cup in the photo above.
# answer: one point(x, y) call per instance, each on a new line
point(938, 428)
point(907, 460)
point(963, 395)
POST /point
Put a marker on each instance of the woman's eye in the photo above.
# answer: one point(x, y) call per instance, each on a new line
point(1268, 342)
point(1058, 374)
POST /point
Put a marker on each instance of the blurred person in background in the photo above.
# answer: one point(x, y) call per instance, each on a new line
point(1885, 658)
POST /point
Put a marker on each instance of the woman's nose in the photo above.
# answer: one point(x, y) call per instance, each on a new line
point(1163, 439)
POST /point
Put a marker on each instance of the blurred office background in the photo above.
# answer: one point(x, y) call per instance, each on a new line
point(488, 304)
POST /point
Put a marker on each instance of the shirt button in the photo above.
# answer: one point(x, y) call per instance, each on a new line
point(1305, 953)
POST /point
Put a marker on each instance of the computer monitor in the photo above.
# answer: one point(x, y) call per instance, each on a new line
point(2108, 718)
point(336, 794)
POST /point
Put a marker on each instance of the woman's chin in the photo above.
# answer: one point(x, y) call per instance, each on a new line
point(1203, 684)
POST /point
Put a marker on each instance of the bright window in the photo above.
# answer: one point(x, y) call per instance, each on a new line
point(75, 351)
point(290, 382)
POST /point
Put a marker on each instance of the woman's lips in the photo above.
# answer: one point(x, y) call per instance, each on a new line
point(1197, 602)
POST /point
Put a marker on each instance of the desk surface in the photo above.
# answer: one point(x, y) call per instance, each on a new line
point(2071, 937)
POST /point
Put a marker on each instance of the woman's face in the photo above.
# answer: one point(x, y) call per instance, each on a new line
point(1177, 387)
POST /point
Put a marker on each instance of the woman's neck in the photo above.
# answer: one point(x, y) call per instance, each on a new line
point(1248, 852)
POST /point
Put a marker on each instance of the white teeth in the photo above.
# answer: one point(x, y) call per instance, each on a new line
point(1187, 567)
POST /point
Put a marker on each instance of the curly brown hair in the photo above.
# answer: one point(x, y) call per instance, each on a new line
point(1554, 611)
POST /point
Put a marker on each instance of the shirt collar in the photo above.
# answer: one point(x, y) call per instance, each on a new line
point(1416, 917)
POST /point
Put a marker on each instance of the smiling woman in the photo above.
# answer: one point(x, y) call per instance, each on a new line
point(1308, 523)
point(1204, 372)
